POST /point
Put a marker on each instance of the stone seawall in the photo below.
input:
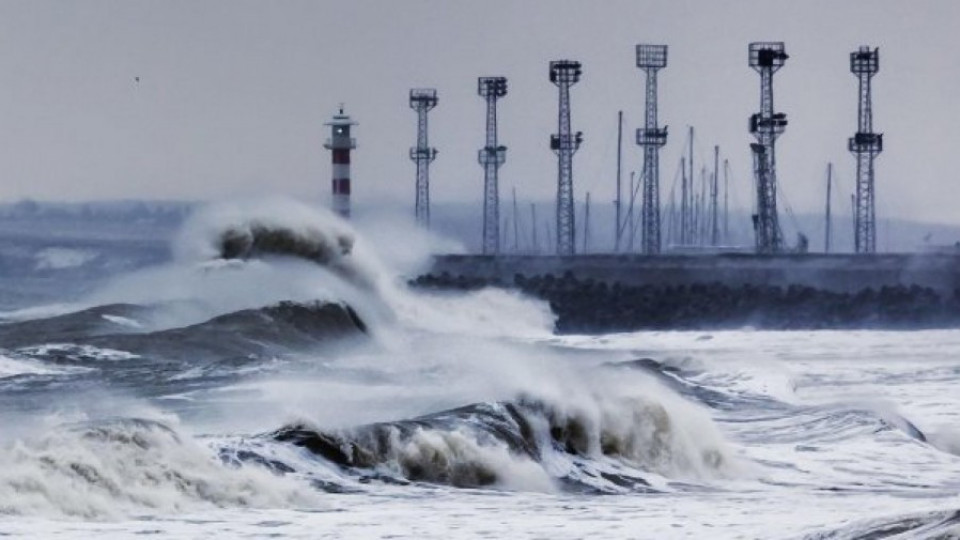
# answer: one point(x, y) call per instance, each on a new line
point(599, 294)
point(840, 273)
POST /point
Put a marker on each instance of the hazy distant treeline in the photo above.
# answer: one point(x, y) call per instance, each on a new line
point(156, 212)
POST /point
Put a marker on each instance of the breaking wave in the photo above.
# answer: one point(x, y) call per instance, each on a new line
point(611, 441)
point(277, 229)
point(253, 285)
point(230, 257)
point(612, 431)
point(108, 469)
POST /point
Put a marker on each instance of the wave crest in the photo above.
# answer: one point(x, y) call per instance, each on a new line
point(276, 228)
point(618, 445)
point(255, 239)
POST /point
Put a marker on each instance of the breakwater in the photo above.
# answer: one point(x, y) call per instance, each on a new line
point(622, 293)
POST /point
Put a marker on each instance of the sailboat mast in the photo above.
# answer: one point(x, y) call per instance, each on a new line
point(516, 224)
point(618, 230)
point(586, 224)
point(726, 202)
point(827, 233)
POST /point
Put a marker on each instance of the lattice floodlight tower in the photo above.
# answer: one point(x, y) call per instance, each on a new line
point(866, 145)
point(766, 58)
point(491, 157)
point(760, 164)
point(340, 144)
point(422, 100)
point(651, 58)
point(564, 74)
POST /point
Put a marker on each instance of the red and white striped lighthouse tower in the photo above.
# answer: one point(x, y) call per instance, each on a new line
point(341, 143)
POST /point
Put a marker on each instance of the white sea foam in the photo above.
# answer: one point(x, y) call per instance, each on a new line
point(627, 416)
point(79, 353)
point(12, 367)
point(489, 312)
point(110, 469)
point(59, 258)
point(945, 437)
point(123, 321)
point(451, 455)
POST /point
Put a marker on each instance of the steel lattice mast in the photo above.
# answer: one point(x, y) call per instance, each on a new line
point(866, 145)
point(422, 100)
point(766, 58)
point(564, 74)
point(651, 58)
point(491, 157)
point(760, 164)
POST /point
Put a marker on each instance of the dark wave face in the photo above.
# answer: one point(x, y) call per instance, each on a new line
point(113, 347)
point(257, 240)
point(276, 230)
point(461, 447)
point(125, 326)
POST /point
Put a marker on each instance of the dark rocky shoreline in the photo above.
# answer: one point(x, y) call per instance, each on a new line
point(592, 306)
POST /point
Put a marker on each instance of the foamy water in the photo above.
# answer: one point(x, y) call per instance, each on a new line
point(456, 415)
point(836, 448)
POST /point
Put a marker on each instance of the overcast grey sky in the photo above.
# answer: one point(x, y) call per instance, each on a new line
point(233, 94)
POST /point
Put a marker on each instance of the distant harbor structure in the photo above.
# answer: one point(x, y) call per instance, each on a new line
point(651, 137)
point(340, 144)
point(564, 74)
point(423, 100)
point(766, 58)
point(693, 216)
point(866, 145)
point(491, 157)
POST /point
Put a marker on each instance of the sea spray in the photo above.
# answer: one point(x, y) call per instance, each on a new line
point(248, 254)
point(608, 433)
point(274, 228)
point(111, 468)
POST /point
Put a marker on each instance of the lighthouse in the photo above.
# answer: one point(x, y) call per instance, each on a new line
point(340, 144)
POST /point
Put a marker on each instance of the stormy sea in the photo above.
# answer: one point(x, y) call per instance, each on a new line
point(267, 371)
